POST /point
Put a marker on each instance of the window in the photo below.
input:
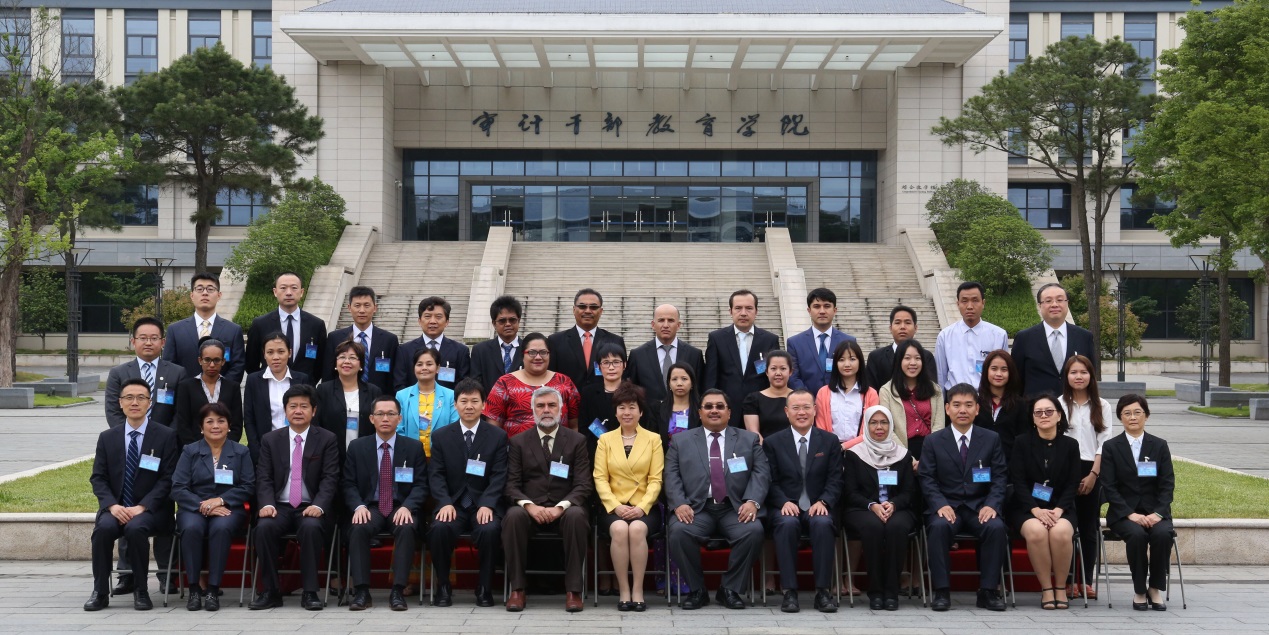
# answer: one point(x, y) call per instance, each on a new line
point(1019, 30)
point(79, 62)
point(239, 207)
point(144, 202)
point(15, 41)
point(1171, 293)
point(1018, 145)
point(1044, 205)
point(141, 30)
point(1077, 24)
point(1139, 31)
point(1126, 146)
point(261, 38)
point(204, 29)
point(1136, 210)
point(101, 313)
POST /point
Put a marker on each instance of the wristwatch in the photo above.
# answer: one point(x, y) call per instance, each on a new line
point(756, 506)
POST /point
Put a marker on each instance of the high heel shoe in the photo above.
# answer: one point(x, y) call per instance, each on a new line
point(1156, 606)
point(1048, 605)
point(1141, 606)
point(1059, 603)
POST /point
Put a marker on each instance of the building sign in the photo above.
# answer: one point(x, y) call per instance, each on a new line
point(747, 125)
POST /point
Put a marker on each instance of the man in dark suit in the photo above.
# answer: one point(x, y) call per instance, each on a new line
point(297, 480)
point(500, 354)
point(385, 486)
point(467, 475)
point(716, 477)
point(880, 364)
point(183, 336)
point(650, 362)
point(549, 482)
point(1040, 351)
point(380, 344)
point(162, 377)
point(962, 473)
point(132, 479)
point(735, 356)
point(572, 349)
point(806, 483)
point(455, 358)
point(306, 331)
point(812, 349)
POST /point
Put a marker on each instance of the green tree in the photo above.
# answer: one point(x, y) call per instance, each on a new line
point(1189, 313)
point(42, 302)
point(298, 235)
point(954, 225)
point(1067, 111)
point(1004, 252)
point(946, 196)
point(176, 306)
point(208, 123)
point(1108, 337)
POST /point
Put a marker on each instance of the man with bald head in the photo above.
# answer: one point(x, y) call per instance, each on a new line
point(651, 361)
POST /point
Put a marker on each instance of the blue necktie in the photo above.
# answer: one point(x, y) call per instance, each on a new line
point(147, 373)
point(506, 358)
point(823, 349)
point(365, 366)
point(130, 465)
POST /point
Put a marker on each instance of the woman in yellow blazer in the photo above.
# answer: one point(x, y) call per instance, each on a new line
point(629, 462)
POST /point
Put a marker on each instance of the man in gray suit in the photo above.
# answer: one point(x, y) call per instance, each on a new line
point(162, 375)
point(715, 479)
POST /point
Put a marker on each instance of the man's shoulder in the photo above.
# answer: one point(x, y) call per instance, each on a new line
point(180, 326)
point(342, 334)
point(121, 370)
point(1030, 331)
point(407, 444)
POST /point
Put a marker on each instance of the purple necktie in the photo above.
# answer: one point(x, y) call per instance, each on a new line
point(385, 481)
point(716, 482)
point(297, 471)
point(964, 451)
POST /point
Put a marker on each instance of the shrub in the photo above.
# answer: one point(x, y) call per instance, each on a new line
point(1004, 252)
point(42, 302)
point(1190, 312)
point(256, 301)
point(298, 235)
point(957, 224)
point(1012, 311)
point(946, 196)
point(1108, 339)
point(176, 306)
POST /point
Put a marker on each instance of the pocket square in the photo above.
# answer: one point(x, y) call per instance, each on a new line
point(819, 454)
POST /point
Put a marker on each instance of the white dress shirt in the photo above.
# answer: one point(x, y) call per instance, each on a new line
point(127, 435)
point(847, 409)
point(1134, 444)
point(295, 340)
point(744, 355)
point(673, 352)
point(960, 350)
point(1079, 416)
point(352, 408)
point(277, 388)
point(211, 322)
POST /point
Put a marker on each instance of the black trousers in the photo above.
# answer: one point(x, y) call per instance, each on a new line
point(993, 539)
point(403, 541)
point(1088, 521)
point(786, 533)
point(312, 533)
point(136, 533)
point(715, 519)
point(212, 533)
point(1148, 550)
point(573, 526)
point(443, 537)
point(162, 552)
point(885, 547)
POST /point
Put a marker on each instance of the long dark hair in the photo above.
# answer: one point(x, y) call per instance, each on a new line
point(835, 376)
point(925, 387)
point(1013, 386)
point(693, 395)
point(1094, 395)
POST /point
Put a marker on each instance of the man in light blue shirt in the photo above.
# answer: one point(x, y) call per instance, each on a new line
point(961, 348)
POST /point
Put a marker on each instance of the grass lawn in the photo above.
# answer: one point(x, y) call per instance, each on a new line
point(1158, 392)
point(53, 400)
point(1012, 311)
point(1238, 412)
point(65, 489)
point(1251, 387)
point(25, 376)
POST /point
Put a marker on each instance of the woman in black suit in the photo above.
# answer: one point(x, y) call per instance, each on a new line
point(262, 408)
point(209, 387)
point(680, 410)
point(1045, 471)
point(880, 488)
point(1138, 480)
point(214, 480)
point(1001, 406)
point(348, 399)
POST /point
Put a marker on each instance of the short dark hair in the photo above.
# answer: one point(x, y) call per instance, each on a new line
point(609, 350)
point(903, 309)
point(213, 408)
point(135, 381)
point(349, 345)
point(533, 337)
point(961, 390)
point(716, 391)
point(144, 320)
point(970, 285)
point(287, 273)
point(1064, 423)
point(1128, 400)
point(300, 390)
point(628, 392)
point(211, 342)
point(800, 391)
point(431, 302)
point(362, 292)
point(1046, 286)
point(275, 335)
point(588, 291)
point(469, 386)
point(204, 275)
point(423, 350)
point(505, 303)
point(822, 294)
point(390, 398)
point(731, 299)
point(779, 354)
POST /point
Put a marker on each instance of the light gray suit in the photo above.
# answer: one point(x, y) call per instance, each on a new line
point(687, 482)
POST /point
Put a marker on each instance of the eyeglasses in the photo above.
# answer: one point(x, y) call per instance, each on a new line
point(588, 307)
point(202, 289)
point(1048, 412)
point(134, 398)
point(507, 320)
point(149, 339)
point(1133, 413)
point(384, 413)
point(611, 363)
point(536, 353)
point(1052, 301)
point(212, 360)
point(801, 408)
point(713, 406)
point(348, 358)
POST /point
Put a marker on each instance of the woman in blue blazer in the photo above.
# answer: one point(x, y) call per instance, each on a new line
point(213, 482)
point(425, 406)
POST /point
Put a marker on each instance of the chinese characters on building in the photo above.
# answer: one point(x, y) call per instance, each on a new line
point(660, 123)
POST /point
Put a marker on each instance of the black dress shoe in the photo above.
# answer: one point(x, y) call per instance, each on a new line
point(990, 599)
point(483, 596)
point(790, 603)
point(729, 598)
point(444, 595)
point(360, 602)
point(141, 600)
point(195, 601)
point(694, 600)
point(876, 603)
point(1157, 606)
point(396, 600)
point(892, 604)
point(97, 601)
point(1141, 606)
point(824, 602)
point(211, 601)
point(942, 600)
point(124, 585)
point(625, 607)
point(167, 586)
point(311, 602)
point(639, 607)
point(266, 600)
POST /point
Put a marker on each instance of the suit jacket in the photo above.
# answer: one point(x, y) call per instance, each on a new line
point(447, 471)
point(1062, 472)
point(486, 362)
point(687, 469)
point(945, 480)
point(195, 481)
point(257, 416)
point(312, 330)
point(567, 356)
point(528, 469)
point(880, 365)
point(1035, 362)
point(635, 480)
point(182, 347)
point(361, 474)
point(822, 477)
point(808, 373)
point(151, 490)
point(166, 375)
point(722, 366)
point(1128, 493)
point(1010, 423)
point(190, 398)
point(454, 354)
point(862, 487)
point(644, 368)
point(321, 471)
point(383, 344)
point(334, 414)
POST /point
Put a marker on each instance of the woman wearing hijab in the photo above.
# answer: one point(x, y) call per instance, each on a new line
point(880, 488)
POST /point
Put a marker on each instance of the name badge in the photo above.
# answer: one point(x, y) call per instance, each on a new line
point(352, 423)
point(597, 428)
point(475, 467)
point(828, 364)
point(1042, 492)
point(978, 366)
point(224, 476)
point(982, 475)
point(150, 462)
point(165, 396)
point(559, 470)
point(445, 374)
point(383, 365)
point(680, 421)
point(597, 373)
point(403, 475)
point(760, 366)
point(887, 477)
point(737, 464)
point(1147, 469)
point(310, 350)
point(226, 356)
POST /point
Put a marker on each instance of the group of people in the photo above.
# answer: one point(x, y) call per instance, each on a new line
point(667, 446)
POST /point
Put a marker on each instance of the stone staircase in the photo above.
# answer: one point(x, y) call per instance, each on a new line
point(869, 281)
point(402, 273)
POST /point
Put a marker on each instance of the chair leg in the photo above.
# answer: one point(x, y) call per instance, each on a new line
point(1079, 550)
point(1176, 549)
point(850, 574)
point(176, 545)
point(330, 563)
point(242, 576)
point(1105, 568)
point(762, 558)
point(595, 563)
point(922, 566)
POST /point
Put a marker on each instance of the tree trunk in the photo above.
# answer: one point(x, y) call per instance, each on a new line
point(206, 198)
point(1092, 285)
point(1225, 331)
point(10, 284)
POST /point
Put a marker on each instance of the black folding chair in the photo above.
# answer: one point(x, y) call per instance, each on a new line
point(431, 572)
point(180, 566)
point(915, 550)
point(331, 550)
point(1108, 534)
point(1006, 568)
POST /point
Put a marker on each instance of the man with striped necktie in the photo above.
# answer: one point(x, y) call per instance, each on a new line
point(379, 343)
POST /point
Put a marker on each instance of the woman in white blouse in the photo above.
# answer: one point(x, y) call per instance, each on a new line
point(1089, 416)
